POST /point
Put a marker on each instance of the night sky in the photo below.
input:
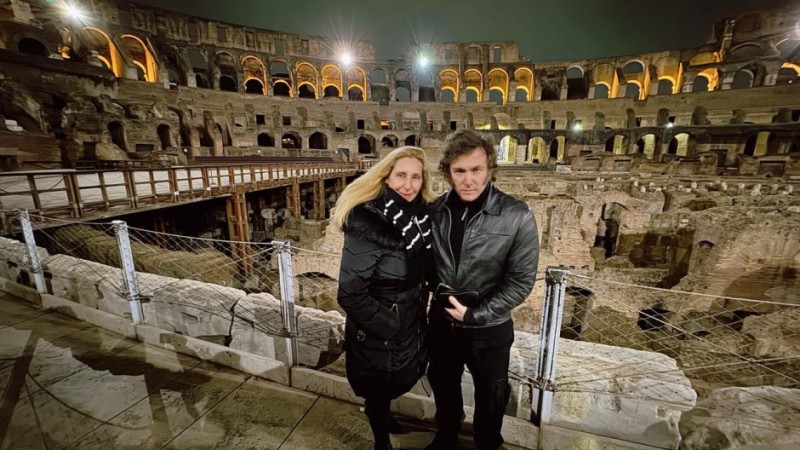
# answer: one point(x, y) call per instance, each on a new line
point(545, 30)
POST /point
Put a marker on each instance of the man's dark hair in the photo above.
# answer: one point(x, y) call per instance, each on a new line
point(462, 142)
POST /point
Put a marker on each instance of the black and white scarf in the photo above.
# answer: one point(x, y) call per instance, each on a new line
point(410, 218)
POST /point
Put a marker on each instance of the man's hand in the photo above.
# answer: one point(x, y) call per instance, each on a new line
point(457, 311)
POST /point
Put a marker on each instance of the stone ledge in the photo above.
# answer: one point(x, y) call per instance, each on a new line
point(259, 366)
point(24, 292)
point(89, 315)
point(515, 431)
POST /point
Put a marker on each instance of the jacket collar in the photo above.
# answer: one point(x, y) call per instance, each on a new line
point(490, 206)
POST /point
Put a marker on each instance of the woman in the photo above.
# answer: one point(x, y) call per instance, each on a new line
point(382, 281)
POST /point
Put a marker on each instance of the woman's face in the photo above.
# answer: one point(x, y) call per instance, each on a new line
point(406, 177)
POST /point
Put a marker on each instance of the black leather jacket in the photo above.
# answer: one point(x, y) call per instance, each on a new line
point(499, 257)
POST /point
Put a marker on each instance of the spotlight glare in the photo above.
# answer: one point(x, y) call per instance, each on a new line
point(346, 59)
point(423, 61)
point(577, 127)
point(74, 12)
point(669, 125)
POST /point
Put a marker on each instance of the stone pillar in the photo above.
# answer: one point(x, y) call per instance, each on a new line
point(727, 80)
point(688, 82)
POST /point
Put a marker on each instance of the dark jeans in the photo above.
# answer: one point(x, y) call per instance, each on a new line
point(451, 349)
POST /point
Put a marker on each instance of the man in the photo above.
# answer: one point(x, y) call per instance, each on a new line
point(486, 247)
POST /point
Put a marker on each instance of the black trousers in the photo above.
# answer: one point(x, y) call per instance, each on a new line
point(376, 407)
point(450, 350)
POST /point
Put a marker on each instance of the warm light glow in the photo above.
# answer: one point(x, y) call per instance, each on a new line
point(669, 125)
point(577, 127)
point(423, 61)
point(346, 59)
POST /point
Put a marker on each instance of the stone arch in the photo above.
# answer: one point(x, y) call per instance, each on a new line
point(402, 94)
point(413, 139)
point(378, 76)
point(254, 86)
point(616, 144)
point(498, 81)
point(331, 81)
point(254, 74)
point(389, 141)
point(473, 81)
point(291, 140)
point(679, 145)
point(633, 89)
point(356, 78)
point(666, 86)
point(537, 149)
point(32, 46)
point(557, 149)
point(761, 143)
point(318, 140)
point(107, 52)
point(507, 150)
point(142, 56)
point(524, 78)
point(633, 67)
point(306, 75)
point(646, 145)
point(281, 78)
point(789, 73)
point(601, 91)
point(366, 144)
point(356, 93)
point(577, 83)
point(265, 140)
point(281, 88)
point(449, 81)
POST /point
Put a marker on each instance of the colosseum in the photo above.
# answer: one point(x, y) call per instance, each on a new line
point(663, 182)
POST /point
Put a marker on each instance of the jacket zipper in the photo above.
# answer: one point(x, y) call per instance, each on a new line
point(449, 244)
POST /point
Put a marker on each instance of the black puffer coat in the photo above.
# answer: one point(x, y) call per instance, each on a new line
point(382, 292)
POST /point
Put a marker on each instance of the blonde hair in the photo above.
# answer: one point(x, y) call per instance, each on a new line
point(368, 186)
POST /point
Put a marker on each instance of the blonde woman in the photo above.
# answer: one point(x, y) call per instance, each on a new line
point(382, 287)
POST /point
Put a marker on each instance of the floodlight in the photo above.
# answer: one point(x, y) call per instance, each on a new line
point(423, 61)
point(74, 12)
point(346, 58)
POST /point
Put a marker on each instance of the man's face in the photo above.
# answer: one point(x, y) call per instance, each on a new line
point(470, 174)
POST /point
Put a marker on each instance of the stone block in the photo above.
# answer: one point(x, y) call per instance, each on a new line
point(192, 308)
point(616, 392)
point(257, 325)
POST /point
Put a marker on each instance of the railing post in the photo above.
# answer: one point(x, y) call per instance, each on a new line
point(287, 299)
point(128, 270)
point(550, 328)
point(30, 247)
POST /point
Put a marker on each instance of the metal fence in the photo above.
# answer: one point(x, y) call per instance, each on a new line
point(597, 337)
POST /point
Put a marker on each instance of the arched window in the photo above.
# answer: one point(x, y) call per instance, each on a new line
point(252, 86)
point(318, 140)
point(265, 140)
point(742, 79)
point(31, 46)
point(601, 91)
point(366, 145)
point(665, 86)
point(290, 140)
point(227, 83)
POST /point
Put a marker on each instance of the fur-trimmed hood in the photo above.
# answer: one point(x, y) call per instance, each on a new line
point(367, 223)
